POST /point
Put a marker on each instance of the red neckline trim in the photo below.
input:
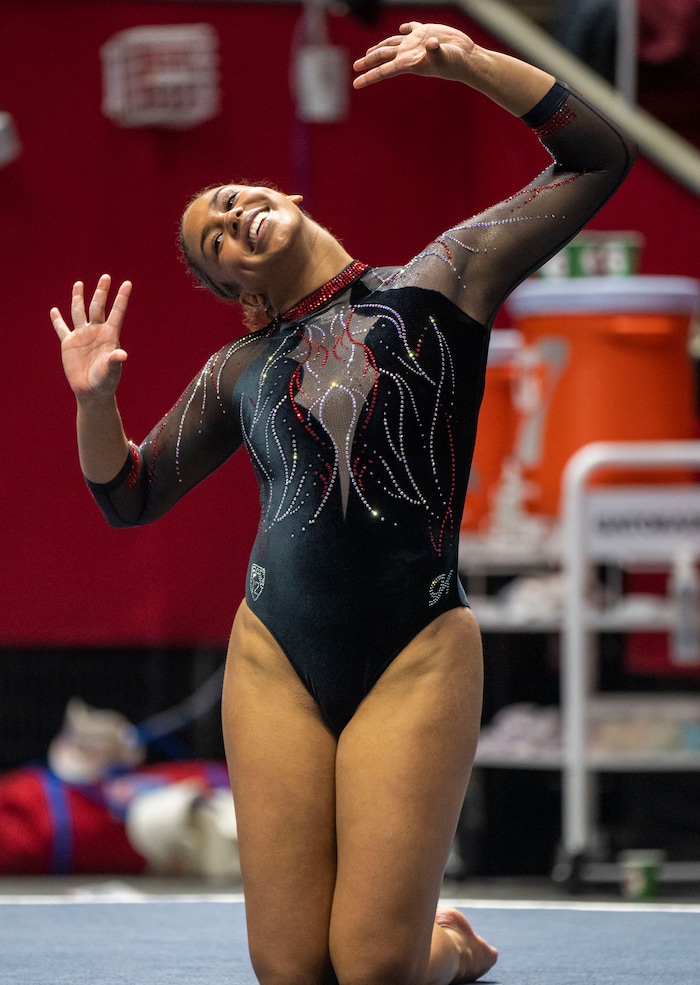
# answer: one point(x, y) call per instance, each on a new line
point(324, 293)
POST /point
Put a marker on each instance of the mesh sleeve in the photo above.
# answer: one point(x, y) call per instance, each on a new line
point(194, 438)
point(479, 262)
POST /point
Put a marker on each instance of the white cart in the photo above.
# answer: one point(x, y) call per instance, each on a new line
point(627, 526)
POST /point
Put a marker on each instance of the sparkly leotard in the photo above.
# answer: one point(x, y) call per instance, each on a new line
point(358, 409)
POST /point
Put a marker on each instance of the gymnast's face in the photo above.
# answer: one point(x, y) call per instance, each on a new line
point(238, 234)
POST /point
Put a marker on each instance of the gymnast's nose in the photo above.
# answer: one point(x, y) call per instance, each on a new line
point(232, 218)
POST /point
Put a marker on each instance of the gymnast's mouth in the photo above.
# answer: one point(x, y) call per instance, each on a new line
point(254, 227)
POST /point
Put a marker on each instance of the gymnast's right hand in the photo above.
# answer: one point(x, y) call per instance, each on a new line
point(92, 356)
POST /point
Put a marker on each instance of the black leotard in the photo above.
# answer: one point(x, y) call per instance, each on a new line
point(359, 409)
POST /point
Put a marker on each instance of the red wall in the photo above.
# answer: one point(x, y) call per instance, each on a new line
point(86, 197)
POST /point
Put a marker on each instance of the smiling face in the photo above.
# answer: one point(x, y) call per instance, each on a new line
point(239, 236)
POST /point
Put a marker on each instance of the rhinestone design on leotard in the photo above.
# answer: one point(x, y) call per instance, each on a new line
point(135, 470)
point(335, 388)
point(560, 119)
point(324, 293)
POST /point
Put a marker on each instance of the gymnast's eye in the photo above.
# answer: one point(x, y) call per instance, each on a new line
point(230, 201)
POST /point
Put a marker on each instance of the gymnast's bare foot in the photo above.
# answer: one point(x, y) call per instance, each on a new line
point(476, 956)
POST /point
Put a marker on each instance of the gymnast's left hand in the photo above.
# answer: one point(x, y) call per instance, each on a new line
point(418, 49)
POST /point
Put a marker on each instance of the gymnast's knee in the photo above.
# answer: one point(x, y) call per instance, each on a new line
point(384, 966)
point(292, 969)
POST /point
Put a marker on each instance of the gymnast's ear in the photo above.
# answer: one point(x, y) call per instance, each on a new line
point(258, 305)
point(297, 199)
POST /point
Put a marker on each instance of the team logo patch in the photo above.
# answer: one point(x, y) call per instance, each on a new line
point(257, 581)
point(438, 587)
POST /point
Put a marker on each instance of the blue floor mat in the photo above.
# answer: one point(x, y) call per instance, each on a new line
point(176, 942)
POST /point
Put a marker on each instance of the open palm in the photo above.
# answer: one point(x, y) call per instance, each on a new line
point(92, 356)
point(418, 49)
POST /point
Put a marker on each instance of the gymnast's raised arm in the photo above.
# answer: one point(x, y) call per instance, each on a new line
point(447, 53)
point(134, 483)
point(480, 260)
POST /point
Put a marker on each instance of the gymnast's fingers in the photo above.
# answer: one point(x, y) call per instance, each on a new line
point(120, 305)
point(98, 303)
point(59, 324)
point(77, 305)
point(379, 63)
point(393, 41)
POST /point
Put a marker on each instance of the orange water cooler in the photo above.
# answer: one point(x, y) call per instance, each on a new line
point(604, 358)
point(497, 427)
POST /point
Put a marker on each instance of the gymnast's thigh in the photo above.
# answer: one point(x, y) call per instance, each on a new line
point(281, 759)
point(402, 769)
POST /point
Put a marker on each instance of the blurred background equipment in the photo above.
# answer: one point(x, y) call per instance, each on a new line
point(9, 141)
point(162, 76)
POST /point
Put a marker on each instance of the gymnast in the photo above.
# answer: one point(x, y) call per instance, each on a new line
point(353, 687)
